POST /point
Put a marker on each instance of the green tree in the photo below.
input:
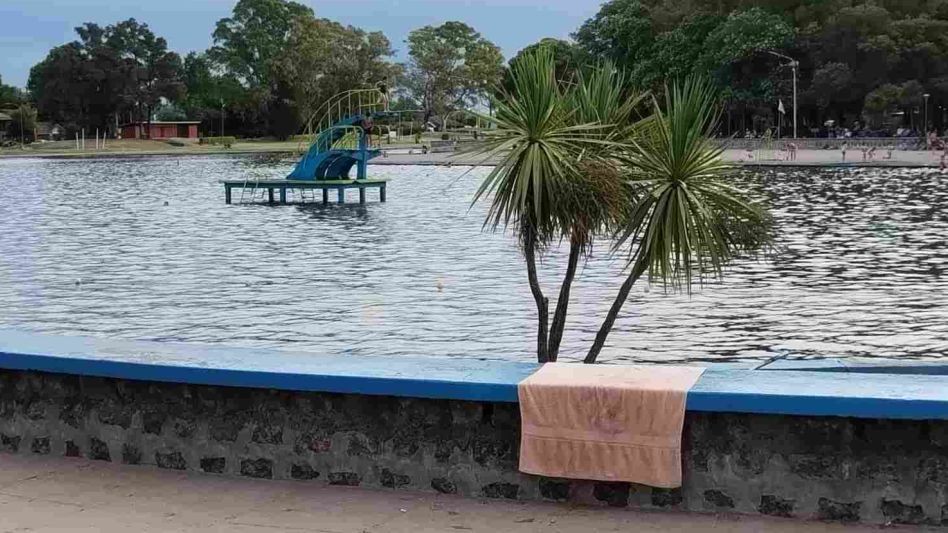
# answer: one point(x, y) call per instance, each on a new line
point(568, 59)
point(247, 46)
point(152, 72)
point(23, 124)
point(324, 58)
point(253, 37)
point(845, 48)
point(10, 95)
point(67, 88)
point(451, 66)
point(121, 71)
point(208, 91)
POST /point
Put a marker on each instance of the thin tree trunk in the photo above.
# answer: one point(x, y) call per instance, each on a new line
point(607, 324)
point(543, 304)
point(562, 303)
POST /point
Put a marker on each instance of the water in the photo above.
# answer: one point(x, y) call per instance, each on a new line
point(89, 247)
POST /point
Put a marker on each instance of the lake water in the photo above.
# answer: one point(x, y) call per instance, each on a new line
point(89, 247)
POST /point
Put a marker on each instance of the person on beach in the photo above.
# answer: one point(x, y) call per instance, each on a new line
point(792, 148)
point(872, 153)
point(865, 153)
point(844, 152)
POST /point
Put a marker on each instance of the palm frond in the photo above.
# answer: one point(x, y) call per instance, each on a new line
point(688, 221)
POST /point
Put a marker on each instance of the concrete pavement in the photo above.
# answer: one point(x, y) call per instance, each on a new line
point(43, 494)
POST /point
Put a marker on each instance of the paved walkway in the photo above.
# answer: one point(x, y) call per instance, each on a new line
point(44, 494)
point(900, 158)
point(805, 158)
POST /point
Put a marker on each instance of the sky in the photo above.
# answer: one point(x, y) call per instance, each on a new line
point(30, 28)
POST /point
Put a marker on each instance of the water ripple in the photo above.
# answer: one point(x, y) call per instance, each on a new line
point(91, 248)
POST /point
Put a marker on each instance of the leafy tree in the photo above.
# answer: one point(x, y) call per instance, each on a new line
point(568, 59)
point(451, 66)
point(247, 46)
point(69, 89)
point(119, 71)
point(170, 112)
point(23, 124)
point(153, 73)
point(208, 91)
point(324, 58)
point(248, 42)
point(845, 48)
point(10, 95)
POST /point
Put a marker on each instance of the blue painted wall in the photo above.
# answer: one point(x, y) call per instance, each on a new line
point(782, 389)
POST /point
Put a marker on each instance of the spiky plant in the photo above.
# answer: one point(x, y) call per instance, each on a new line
point(542, 187)
point(688, 221)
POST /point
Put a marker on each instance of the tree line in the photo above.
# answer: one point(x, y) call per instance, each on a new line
point(272, 63)
point(862, 63)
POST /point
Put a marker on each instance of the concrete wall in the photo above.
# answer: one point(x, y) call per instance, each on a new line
point(840, 469)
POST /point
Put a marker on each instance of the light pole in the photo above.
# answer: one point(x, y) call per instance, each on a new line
point(926, 95)
point(22, 143)
point(793, 64)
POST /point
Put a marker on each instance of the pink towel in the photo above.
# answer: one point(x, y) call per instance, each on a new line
point(605, 422)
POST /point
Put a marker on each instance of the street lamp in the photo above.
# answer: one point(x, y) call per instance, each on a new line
point(926, 95)
point(793, 64)
point(22, 142)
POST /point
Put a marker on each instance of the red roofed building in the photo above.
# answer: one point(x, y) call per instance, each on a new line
point(178, 129)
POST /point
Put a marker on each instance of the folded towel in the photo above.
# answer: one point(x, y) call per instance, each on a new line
point(605, 422)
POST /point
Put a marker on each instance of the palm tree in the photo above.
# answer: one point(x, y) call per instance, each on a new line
point(552, 181)
point(577, 160)
point(687, 221)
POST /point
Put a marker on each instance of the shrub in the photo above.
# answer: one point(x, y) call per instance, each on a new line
point(226, 142)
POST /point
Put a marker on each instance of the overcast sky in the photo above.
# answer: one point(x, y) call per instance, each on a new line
point(29, 28)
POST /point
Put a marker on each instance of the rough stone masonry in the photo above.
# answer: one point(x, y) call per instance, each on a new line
point(839, 469)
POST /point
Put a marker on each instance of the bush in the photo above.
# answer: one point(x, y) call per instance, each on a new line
point(226, 142)
point(445, 137)
point(175, 142)
point(308, 139)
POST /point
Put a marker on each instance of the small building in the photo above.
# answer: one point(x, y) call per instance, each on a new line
point(47, 131)
point(5, 121)
point(161, 129)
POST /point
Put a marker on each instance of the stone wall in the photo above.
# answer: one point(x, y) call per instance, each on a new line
point(837, 469)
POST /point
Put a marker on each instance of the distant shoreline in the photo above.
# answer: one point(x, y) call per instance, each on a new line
point(805, 158)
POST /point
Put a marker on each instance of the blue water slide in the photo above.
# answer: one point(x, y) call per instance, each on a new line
point(324, 161)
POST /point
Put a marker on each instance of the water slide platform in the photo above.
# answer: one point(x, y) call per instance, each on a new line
point(281, 186)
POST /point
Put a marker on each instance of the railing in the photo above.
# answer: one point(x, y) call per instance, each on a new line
point(326, 140)
point(822, 143)
point(344, 105)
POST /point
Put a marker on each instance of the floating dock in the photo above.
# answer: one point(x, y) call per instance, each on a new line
point(281, 186)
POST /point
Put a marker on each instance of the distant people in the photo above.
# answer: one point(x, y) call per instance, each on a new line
point(844, 147)
point(792, 149)
point(383, 94)
point(888, 152)
point(872, 153)
point(865, 153)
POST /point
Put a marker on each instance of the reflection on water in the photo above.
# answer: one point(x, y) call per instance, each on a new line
point(91, 248)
